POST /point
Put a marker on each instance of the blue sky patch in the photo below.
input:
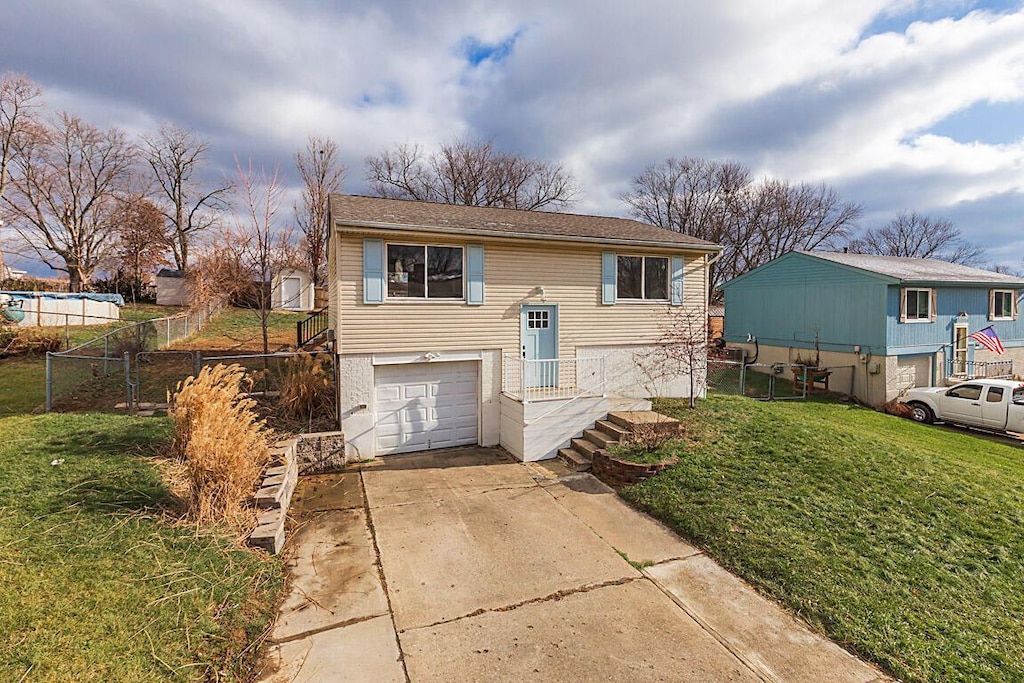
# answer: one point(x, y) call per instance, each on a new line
point(933, 10)
point(477, 52)
point(985, 122)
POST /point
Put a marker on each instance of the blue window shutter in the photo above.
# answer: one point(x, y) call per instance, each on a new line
point(609, 278)
point(678, 263)
point(373, 271)
point(474, 274)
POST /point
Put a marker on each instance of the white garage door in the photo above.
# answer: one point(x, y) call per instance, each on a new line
point(915, 371)
point(425, 405)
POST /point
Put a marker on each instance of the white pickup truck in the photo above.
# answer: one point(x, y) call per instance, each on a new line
point(995, 404)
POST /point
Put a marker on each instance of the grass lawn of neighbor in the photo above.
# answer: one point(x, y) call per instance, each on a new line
point(903, 542)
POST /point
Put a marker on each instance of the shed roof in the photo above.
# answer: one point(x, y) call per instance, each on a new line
point(403, 214)
point(916, 269)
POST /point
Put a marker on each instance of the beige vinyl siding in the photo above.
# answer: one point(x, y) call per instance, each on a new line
point(569, 273)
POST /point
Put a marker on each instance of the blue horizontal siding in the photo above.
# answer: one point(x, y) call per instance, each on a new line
point(792, 300)
point(908, 338)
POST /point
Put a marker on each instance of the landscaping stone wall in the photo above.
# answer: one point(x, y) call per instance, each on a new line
point(619, 473)
point(321, 452)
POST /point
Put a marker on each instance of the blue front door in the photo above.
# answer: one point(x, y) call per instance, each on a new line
point(539, 334)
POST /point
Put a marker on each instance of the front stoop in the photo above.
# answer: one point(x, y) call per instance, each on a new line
point(615, 428)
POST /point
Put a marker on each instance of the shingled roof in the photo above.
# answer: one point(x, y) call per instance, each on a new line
point(401, 214)
point(917, 269)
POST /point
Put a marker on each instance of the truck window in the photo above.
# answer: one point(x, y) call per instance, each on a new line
point(970, 392)
point(994, 395)
point(1018, 395)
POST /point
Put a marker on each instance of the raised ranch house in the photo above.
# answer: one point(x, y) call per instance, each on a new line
point(897, 322)
point(458, 325)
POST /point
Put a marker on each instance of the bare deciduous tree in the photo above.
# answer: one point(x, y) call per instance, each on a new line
point(255, 239)
point(19, 104)
point(470, 173)
point(682, 350)
point(910, 234)
point(322, 173)
point(176, 157)
point(141, 241)
point(755, 221)
point(66, 181)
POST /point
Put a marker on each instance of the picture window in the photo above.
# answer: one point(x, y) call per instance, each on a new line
point(643, 277)
point(425, 272)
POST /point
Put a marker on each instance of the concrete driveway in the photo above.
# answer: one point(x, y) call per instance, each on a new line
point(463, 565)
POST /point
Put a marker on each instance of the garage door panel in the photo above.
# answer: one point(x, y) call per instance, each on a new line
point(425, 406)
point(913, 372)
point(388, 393)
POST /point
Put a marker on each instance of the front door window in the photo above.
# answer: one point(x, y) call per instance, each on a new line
point(960, 350)
point(539, 332)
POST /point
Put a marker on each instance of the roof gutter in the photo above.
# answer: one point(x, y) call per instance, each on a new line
point(405, 227)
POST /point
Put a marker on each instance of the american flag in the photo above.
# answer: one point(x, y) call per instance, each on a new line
point(988, 338)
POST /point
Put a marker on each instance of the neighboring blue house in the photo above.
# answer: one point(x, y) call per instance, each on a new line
point(897, 322)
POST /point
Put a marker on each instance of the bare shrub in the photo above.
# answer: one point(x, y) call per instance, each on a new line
point(306, 386)
point(16, 341)
point(894, 407)
point(222, 442)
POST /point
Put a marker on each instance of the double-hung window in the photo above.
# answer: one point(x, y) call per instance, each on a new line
point(1002, 304)
point(918, 305)
point(643, 277)
point(424, 272)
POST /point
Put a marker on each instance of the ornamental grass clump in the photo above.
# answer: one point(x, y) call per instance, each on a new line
point(306, 386)
point(220, 440)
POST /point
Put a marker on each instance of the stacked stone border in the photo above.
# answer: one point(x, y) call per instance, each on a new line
point(618, 473)
point(316, 453)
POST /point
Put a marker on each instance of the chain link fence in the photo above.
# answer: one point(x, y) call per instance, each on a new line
point(776, 381)
point(97, 375)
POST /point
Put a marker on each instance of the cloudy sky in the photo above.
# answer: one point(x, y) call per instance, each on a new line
point(899, 104)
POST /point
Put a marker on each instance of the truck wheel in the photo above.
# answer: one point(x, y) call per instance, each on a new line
point(919, 412)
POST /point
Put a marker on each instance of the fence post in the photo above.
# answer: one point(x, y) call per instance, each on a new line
point(129, 403)
point(197, 363)
point(106, 355)
point(743, 378)
point(49, 381)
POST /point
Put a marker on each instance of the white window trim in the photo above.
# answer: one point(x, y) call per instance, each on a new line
point(992, 304)
point(423, 299)
point(643, 279)
point(903, 305)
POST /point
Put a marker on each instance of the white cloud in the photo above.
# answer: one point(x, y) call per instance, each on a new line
point(791, 88)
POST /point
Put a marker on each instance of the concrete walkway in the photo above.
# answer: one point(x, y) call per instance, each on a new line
point(463, 565)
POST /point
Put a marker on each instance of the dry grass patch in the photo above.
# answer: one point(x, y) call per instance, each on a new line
point(221, 441)
point(306, 386)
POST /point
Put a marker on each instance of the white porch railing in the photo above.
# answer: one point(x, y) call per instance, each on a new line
point(976, 369)
point(560, 378)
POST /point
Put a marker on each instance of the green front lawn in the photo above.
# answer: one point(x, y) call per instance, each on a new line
point(903, 542)
point(99, 584)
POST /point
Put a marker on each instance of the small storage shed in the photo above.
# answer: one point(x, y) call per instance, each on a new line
point(171, 288)
point(292, 290)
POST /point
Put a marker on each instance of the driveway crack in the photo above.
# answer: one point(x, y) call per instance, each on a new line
point(380, 574)
point(553, 597)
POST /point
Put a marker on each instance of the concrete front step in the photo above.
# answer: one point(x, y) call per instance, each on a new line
point(644, 419)
point(612, 429)
point(573, 459)
point(601, 439)
point(585, 447)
